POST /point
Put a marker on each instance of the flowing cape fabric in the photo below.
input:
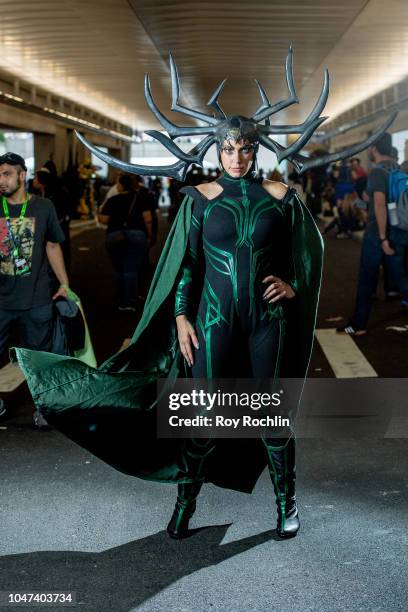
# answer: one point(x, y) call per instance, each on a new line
point(111, 410)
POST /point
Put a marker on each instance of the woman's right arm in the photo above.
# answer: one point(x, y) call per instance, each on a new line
point(190, 267)
point(186, 335)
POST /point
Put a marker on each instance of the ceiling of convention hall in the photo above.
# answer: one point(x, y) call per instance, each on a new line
point(97, 52)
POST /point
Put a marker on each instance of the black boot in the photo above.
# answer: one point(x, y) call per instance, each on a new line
point(184, 510)
point(283, 474)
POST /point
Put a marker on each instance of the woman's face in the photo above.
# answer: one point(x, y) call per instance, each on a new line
point(237, 157)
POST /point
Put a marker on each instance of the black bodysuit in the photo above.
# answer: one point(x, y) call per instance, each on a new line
point(236, 240)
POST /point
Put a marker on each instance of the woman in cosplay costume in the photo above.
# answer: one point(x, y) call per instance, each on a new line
point(243, 259)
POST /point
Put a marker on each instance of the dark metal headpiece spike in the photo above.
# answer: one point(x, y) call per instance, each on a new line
point(265, 101)
point(175, 94)
point(271, 109)
point(177, 170)
point(175, 150)
point(173, 130)
point(213, 101)
point(303, 163)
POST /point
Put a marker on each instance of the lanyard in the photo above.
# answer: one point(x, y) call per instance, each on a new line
point(20, 220)
point(22, 212)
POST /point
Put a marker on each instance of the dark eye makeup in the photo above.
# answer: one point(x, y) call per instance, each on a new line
point(244, 150)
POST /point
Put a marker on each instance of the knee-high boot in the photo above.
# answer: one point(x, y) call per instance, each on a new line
point(281, 463)
point(184, 509)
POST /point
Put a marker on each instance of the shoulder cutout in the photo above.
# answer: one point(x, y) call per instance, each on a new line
point(275, 188)
point(210, 190)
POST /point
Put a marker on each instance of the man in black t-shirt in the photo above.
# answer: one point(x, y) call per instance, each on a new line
point(382, 243)
point(29, 244)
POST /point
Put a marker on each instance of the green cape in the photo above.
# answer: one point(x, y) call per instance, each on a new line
point(111, 410)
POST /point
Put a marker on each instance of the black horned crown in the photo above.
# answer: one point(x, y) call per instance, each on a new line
point(257, 129)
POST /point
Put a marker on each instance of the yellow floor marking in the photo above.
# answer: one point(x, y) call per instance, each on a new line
point(11, 377)
point(343, 355)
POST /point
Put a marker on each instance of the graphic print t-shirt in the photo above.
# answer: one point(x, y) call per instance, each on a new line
point(39, 226)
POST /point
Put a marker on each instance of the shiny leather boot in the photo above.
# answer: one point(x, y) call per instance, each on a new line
point(184, 510)
point(281, 463)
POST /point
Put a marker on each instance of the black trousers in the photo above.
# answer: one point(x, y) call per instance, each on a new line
point(34, 324)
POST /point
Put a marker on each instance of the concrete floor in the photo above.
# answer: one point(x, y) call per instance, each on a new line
point(72, 523)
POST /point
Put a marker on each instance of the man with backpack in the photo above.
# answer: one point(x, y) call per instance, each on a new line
point(386, 236)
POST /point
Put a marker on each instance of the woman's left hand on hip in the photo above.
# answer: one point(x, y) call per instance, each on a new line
point(277, 289)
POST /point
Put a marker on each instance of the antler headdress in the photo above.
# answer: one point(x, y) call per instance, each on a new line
point(218, 128)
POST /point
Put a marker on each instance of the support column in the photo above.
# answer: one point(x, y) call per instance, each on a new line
point(44, 146)
point(61, 150)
